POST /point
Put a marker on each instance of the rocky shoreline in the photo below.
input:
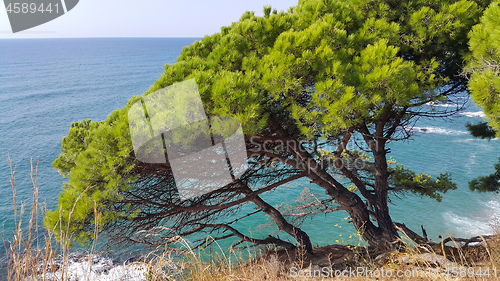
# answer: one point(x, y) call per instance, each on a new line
point(80, 267)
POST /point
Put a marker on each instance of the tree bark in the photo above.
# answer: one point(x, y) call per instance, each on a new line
point(385, 234)
point(384, 220)
point(300, 236)
point(348, 200)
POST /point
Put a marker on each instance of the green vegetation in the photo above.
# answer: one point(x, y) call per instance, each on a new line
point(484, 64)
point(305, 84)
point(484, 85)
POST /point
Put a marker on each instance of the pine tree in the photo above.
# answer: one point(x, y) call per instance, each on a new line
point(306, 85)
point(484, 85)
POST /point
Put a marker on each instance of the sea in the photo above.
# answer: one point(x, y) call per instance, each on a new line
point(46, 84)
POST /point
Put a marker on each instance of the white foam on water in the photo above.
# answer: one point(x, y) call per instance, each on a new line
point(467, 227)
point(441, 104)
point(475, 140)
point(437, 130)
point(494, 213)
point(464, 227)
point(477, 114)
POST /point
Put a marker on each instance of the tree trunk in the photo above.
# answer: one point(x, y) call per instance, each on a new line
point(385, 224)
point(348, 200)
point(385, 234)
point(360, 215)
point(300, 236)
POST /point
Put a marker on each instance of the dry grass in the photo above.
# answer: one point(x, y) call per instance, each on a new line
point(25, 255)
point(337, 261)
point(28, 252)
point(31, 256)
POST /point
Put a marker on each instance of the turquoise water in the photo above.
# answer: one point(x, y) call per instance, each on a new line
point(45, 84)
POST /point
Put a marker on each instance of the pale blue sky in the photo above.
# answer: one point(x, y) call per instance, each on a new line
point(145, 18)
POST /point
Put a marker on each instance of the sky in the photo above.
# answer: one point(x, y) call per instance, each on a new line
point(144, 18)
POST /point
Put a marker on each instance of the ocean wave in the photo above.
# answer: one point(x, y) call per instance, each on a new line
point(441, 104)
point(437, 130)
point(475, 140)
point(485, 224)
point(477, 114)
point(494, 211)
point(465, 227)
